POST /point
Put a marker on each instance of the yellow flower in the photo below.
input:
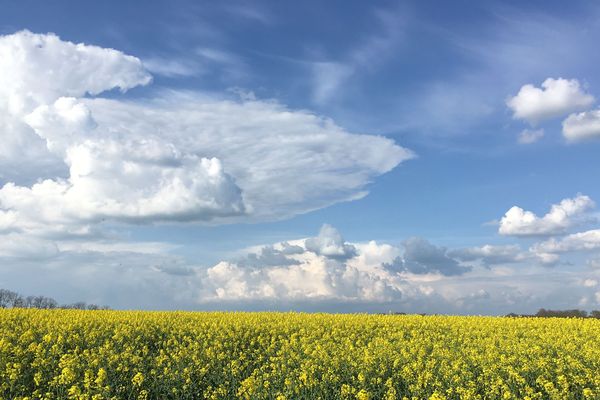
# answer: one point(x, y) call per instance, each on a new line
point(138, 379)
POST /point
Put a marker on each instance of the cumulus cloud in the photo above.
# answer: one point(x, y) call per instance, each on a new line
point(416, 275)
point(179, 156)
point(37, 69)
point(422, 257)
point(269, 256)
point(312, 273)
point(529, 136)
point(130, 182)
point(555, 98)
point(581, 241)
point(549, 251)
point(582, 126)
point(61, 122)
point(329, 243)
point(519, 222)
point(318, 268)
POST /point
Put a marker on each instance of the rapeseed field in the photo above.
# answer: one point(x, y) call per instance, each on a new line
point(70, 354)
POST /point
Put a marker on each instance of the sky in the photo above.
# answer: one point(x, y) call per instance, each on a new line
point(343, 156)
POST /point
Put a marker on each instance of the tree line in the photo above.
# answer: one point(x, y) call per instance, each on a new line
point(10, 299)
point(543, 313)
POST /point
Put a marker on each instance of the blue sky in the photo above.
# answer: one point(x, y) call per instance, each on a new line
point(244, 125)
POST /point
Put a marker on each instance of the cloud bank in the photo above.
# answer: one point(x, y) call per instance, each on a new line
point(414, 275)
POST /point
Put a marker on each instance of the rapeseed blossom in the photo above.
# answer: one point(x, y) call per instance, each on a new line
point(94, 355)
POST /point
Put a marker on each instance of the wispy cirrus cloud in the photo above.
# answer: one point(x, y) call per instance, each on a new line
point(331, 75)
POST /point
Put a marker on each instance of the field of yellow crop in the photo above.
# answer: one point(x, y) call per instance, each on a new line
point(68, 354)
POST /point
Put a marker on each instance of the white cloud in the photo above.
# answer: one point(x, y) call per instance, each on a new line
point(549, 259)
point(590, 282)
point(129, 181)
point(581, 241)
point(321, 268)
point(326, 268)
point(518, 222)
point(61, 123)
point(414, 276)
point(582, 126)
point(556, 97)
point(329, 243)
point(180, 156)
point(37, 69)
point(528, 136)
point(285, 162)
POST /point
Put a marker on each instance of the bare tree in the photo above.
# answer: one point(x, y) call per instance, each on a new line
point(80, 305)
point(18, 301)
point(29, 302)
point(8, 298)
point(44, 302)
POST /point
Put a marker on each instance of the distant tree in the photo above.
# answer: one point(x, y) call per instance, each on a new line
point(7, 298)
point(561, 313)
point(18, 301)
point(80, 305)
point(28, 302)
point(45, 302)
point(595, 314)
